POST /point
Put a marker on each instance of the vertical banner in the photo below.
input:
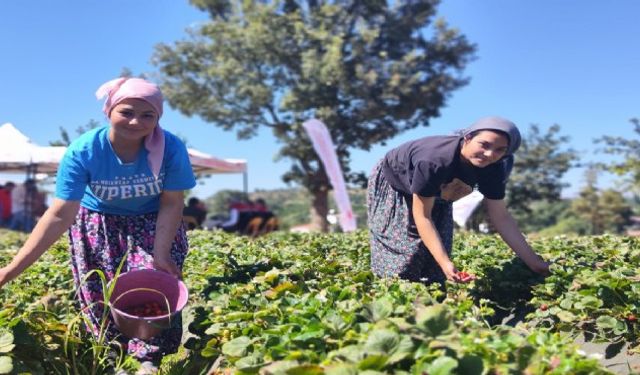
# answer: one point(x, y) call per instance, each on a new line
point(322, 143)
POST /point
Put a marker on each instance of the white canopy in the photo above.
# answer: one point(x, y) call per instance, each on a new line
point(206, 164)
point(19, 154)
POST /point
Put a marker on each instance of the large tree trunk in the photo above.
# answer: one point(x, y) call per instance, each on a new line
point(319, 210)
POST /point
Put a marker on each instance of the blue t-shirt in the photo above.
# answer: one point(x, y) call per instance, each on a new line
point(92, 173)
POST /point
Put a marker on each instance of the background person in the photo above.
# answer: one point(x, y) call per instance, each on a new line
point(410, 192)
point(259, 205)
point(237, 218)
point(197, 209)
point(5, 203)
point(119, 191)
point(22, 199)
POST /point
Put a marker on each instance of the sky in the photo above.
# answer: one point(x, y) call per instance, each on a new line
point(574, 63)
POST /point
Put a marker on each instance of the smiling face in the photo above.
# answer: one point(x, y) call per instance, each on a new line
point(132, 120)
point(484, 147)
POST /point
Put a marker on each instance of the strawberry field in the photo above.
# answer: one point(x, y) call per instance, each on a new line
point(308, 304)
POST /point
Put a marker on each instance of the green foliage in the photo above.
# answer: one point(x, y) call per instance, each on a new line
point(545, 214)
point(537, 174)
point(368, 70)
point(629, 150)
point(566, 226)
point(65, 139)
point(603, 210)
point(308, 303)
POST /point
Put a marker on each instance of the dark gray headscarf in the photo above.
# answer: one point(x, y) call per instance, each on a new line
point(497, 123)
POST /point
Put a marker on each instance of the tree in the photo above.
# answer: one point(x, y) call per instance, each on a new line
point(605, 211)
point(539, 166)
point(367, 69)
point(65, 139)
point(629, 149)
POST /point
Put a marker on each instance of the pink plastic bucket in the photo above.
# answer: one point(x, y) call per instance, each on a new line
point(140, 287)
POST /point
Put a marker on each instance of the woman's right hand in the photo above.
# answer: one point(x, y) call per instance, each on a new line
point(450, 272)
point(4, 276)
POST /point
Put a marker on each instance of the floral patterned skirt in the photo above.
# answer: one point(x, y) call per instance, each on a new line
point(99, 242)
point(396, 247)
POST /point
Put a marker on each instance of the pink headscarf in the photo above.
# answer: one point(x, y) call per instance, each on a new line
point(122, 88)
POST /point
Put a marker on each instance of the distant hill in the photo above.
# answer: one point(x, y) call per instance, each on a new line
point(292, 206)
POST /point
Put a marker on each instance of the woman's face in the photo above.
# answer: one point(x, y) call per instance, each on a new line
point(132, 120)
point(484, 148)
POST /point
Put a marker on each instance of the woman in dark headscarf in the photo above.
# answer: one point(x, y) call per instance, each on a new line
point(410, 195)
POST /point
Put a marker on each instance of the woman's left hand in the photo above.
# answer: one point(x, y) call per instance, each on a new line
point(166, 264)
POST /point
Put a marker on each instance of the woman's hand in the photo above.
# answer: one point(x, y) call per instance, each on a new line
point(450, 272)
point(166, 264)
point(167, 224)
point(4, 276)
point(541, 267)
point(510, 233)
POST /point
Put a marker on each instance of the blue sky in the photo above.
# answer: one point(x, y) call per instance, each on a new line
point(567, 62)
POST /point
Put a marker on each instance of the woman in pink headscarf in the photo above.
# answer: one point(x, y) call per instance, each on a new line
point(119, 191)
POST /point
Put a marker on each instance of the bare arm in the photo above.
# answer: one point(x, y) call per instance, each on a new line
point(510, 233)
point(169, 220)
point(55, 221)
point(429, 234)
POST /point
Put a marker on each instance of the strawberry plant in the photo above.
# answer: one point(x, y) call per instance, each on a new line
point(308, 303)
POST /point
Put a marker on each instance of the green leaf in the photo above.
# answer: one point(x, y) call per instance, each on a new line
point(442, 366)
point(606, 322)
point(379, 309)
point(279, 367)
point(566, 316)
point(382, 341)
point(434, 320)
point(249, 363)
point(403, 350)
point(316, 334)
point(588, 301)
point(335, 323)
point(6, 342)
point(6, 365)
point(341, 369)
point(352, 353)
point(566, 303)
point(373, 362)
point(236, 347)
point(238, 316)
point(305, 370)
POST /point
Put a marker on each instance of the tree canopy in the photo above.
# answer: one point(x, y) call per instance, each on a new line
point(368, 69)
point(540, 164)
point(629, 150)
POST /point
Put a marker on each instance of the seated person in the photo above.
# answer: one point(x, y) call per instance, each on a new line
point(240, 212)
point(196, 209)
point(260, 205)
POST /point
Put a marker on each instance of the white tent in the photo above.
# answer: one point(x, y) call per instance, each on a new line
point(19, 154)
point(207, 164)
point(204, 164)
